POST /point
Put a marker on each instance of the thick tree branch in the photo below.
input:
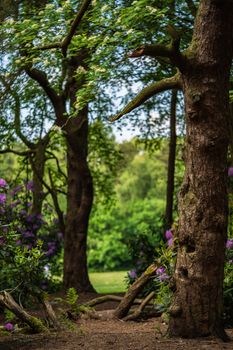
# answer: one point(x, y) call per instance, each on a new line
point(152, 51)
point(57, 101)
point(49, 46)
point(171, 52)
point(149, 91)
point(41, 78)
point(65, 43)
point(17, 123)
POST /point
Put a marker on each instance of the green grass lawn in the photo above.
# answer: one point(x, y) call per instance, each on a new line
point(109, 282)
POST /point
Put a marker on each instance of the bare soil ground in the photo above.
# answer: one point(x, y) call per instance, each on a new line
point(111, 335)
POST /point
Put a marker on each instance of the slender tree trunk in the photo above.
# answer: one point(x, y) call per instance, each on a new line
point(197, 306)
point(79, 204)
point(80, 185)
point(38, 167)
point(171, 162)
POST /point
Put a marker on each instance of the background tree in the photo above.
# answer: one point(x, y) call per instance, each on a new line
point(80, 192)
point(171, 162)
point(70, 55)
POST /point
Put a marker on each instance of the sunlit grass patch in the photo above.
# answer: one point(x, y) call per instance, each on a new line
point(109, 282)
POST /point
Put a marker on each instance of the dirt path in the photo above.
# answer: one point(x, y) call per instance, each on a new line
point(114, 335)
point(111, 335)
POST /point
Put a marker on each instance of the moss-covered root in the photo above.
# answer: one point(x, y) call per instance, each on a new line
point(37, 325)
point(7, 301)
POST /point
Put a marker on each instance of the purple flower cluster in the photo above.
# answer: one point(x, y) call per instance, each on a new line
point(162, 275)
point(16, 189)
point(9, 327)
point(2, 198)
point(229, 244)
point(51, 249)
point(3, 183)
point(132, 274)
point(30, 185)
point(14, 204)
point(230, 171)
point(169, 237)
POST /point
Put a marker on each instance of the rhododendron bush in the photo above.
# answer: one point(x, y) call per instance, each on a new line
point(30, 244)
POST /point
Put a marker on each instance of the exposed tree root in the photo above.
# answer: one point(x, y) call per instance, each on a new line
point(53, 321)
point(126, 302)
point(123, 308)
point(121, 311)
point(109, 297)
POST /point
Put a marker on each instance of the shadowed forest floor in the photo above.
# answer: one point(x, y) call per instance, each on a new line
point(111, 335)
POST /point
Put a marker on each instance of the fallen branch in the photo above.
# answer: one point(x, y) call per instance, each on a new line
point(141, 307)
point(126, 303)
point(7, 301)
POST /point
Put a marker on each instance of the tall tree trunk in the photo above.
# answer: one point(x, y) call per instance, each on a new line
point(197, 306)
point(79, 204)
point(80, 185)
point(171, 162)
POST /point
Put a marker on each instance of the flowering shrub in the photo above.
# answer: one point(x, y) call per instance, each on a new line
point(29, 244)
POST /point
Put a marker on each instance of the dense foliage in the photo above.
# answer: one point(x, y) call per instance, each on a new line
point(30, 245)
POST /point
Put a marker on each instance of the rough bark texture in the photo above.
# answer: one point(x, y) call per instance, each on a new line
point(171, 162)
point(197, 306)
